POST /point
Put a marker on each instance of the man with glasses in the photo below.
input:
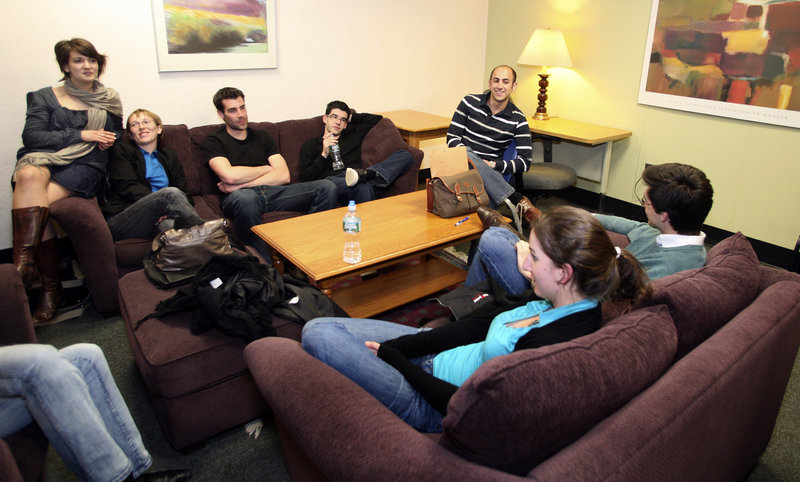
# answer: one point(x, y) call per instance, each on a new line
point(676, 200)
point(147, 188)
point(345, 131)
point(253, 174)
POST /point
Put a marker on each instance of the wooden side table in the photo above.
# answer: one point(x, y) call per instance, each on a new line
point(416, 126)
point(556, 129)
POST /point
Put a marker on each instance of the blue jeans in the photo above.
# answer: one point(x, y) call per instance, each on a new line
point(72, 396)
point(246, 205)
point(496, 258)
point(493, 182)
point(339, 342)
point(386, 172)
point(139, 219)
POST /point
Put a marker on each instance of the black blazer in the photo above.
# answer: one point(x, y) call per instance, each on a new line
point(126, 176)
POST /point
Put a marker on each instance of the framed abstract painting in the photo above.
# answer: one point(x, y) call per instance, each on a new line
point(214, 35)
point(731, 58)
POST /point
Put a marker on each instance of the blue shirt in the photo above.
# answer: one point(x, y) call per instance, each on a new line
point(457, 364)
point(154, 171)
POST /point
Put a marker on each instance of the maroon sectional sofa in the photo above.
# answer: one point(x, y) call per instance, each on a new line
point(199, 384)
point(685, 387)
point(104, 261)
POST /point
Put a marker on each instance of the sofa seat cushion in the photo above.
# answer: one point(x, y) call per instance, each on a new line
point(171, 360)
point(519, 409)
point(702, 300)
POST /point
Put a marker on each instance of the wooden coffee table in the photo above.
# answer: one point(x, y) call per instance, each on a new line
point(394, 229)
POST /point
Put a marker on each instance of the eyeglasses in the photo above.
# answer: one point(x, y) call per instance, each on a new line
point(336, 117)
point(143, 123)
point(645, 202)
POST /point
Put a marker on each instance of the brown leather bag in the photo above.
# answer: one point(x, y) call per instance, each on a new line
point(182, 249)
point(457, 194)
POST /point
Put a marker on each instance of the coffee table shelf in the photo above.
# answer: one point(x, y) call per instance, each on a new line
point(396, 288)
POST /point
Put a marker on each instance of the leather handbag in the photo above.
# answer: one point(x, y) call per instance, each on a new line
point(182, 249)
point(457, 194)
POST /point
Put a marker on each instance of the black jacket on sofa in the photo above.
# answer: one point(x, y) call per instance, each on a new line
point(127, 176)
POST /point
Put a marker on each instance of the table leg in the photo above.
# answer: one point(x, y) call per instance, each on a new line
point(277, 262)
point(412, 139)
point(325, 287)
point(604, 174)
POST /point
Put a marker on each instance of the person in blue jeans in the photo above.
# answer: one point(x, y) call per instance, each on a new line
point(572, 265)
point(346, 130)
point(676, 201)
point(71, 395)
point(147, 186)
point(253, 175)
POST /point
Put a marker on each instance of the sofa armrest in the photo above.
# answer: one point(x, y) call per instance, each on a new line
point(345, 431)
point(16, 325)
point(86, 227)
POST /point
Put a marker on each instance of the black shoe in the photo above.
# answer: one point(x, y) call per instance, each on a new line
point(489, 217)
point(174, 475)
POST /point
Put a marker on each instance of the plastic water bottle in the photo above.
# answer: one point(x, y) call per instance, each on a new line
point(338, 165)
point(351, 225)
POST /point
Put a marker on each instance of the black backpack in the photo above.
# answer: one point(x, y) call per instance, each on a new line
point(239, 296)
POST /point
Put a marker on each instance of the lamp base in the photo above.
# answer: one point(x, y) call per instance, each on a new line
point(541, 111)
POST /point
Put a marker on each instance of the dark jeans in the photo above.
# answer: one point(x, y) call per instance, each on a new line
point(394, 166)
point(139, 219)
point(246, 205)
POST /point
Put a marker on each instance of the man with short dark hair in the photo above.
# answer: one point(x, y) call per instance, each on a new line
point(676, 202)
point(253, 174)
point(486, 124)
point(346, 130)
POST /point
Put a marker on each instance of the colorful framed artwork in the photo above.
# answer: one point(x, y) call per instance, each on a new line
point(214, 35)
point(731, 58)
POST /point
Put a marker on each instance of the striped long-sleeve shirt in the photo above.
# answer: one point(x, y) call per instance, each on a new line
point(474, 126)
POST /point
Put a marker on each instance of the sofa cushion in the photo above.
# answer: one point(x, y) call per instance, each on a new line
point(519, 409)
point(702, 300)
point(293, 134)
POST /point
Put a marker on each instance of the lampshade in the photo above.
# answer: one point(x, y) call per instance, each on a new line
point(546, 48)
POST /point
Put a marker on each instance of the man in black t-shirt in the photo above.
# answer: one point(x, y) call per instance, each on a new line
point(347, 130)
point(253, 174)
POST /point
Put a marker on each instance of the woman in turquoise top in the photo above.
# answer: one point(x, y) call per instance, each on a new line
point(572, 266)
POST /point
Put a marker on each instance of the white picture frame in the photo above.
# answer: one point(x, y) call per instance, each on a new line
point(740, 41)
point(189, 36)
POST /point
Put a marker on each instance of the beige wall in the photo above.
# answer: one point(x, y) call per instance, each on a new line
point(755, 168)
point(374, 54)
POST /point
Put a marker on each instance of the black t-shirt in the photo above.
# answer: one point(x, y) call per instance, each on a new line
point(255, 150)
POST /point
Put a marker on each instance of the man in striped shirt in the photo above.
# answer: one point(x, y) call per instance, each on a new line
point(486, 124)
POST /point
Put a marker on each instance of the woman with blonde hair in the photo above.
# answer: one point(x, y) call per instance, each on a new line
point(68, 131)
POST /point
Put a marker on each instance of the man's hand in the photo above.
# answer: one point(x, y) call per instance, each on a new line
point(523, 253)
point(489, 163)
point(327, 141)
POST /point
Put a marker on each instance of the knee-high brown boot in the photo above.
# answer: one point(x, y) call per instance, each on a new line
point(51, 294)
point(28, 224)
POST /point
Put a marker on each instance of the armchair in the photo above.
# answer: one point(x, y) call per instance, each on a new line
point(22, 454)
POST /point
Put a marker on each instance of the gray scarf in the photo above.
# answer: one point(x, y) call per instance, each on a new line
point(100, 100)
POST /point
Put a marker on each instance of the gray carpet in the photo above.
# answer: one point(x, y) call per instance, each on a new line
point(232, 455)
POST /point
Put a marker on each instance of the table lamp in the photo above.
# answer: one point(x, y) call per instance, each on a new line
point(545, 48)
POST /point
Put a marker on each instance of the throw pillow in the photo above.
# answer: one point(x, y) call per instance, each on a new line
point(519, 409)
point(702, 300)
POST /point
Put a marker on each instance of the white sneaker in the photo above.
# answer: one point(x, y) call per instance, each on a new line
point(350, 177)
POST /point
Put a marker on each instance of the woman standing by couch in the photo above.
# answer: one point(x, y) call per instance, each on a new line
point(573, 266)
point(68, 131)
